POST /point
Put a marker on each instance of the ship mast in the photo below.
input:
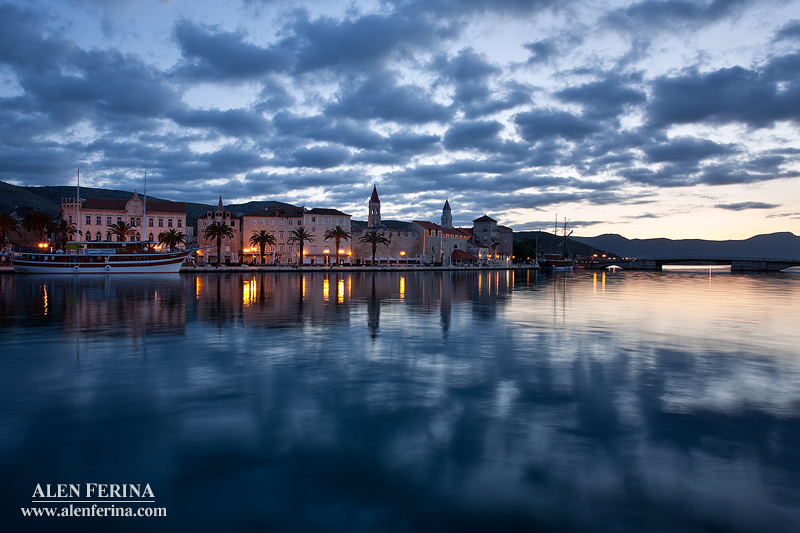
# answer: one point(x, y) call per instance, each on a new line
point(144, 217)
point(78, 208)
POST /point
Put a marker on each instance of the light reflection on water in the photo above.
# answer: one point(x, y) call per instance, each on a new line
point(410, 401)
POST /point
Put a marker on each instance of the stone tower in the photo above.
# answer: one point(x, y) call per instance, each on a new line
point(374, 209)
point(447, 215)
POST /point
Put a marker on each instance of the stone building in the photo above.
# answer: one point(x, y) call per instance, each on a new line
point(97, 214)
point(499, 240)
point(320, 220)
point(279, 221)
point(231, 249)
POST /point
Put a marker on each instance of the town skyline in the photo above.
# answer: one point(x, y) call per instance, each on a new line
point(649, 118)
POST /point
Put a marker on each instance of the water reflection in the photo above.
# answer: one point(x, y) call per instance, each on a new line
point(412, 401)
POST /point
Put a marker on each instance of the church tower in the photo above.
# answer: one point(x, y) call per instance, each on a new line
point(374, 209)
point(447, 215)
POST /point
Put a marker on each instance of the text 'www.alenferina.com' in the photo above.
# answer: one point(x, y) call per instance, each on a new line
point(93, 500)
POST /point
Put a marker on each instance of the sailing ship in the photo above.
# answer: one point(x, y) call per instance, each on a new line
point(556, 260)
point(94, 257)
point(123, 258)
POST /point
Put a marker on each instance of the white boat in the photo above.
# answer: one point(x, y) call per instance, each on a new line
point(132, 258)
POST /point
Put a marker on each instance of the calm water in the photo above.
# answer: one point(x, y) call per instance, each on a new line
point(346, 402)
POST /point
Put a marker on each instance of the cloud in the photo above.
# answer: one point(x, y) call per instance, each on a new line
point(543, 124)
point(379, 96)
point(651, 15)
point(606, 98)
point(685, 150)
point(213, 54)
point(789, 32)
point(741, 206)
point(757, 98)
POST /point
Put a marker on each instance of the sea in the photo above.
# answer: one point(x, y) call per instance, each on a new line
point(405, 401)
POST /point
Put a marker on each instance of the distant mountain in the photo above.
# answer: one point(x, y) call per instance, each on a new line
point(547, 243)
point(776, 245)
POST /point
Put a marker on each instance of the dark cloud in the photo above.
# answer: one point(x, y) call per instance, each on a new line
point(741, 206)
point(789, 32)
point(652, 15)
point(541, 51)
point(320, 157)
point(686, 150)
point(460, 8)
point(757, 98)
point(606, 98)
point(543, 124)
point(232, 122)
point(380, 97)
point(212, 54)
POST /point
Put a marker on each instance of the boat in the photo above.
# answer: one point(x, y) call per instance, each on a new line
point(558, 261)
point(115, 258)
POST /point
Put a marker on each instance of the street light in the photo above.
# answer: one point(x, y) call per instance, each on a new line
point(326, 251)
point(402, 255)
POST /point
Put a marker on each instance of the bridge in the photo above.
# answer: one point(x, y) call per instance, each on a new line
point(737, 264)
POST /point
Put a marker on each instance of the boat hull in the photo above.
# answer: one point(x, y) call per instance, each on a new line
point(161, 263)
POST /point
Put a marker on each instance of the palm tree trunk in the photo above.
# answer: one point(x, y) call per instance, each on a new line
point(219, 249)
point(374, 249)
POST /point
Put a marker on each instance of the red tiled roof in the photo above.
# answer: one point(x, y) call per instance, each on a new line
point(460, 254)
point(427, 225)
point(374, 198)
point(277, 211)
point(118, 204)
point(325, 211)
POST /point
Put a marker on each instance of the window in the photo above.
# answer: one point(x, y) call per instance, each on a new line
point(70, 219)
point(160, 222)
point(272, 221)
point(271, 248)
point(138, 221)
point(313, 220)
point(108, 221)
point(281, 235)
point(253, 233)
point(233, 223)
point(180, 223)
point(340, 220)
point(313, 249)
point(290, 222)
point(150, 223)
point(169, 222)
point(281, 222)
point(281, 247)
point(290, 247)
point(263, 221)
point(150, 238)
point(254, 222)
point(88, 236)
point(99, 222)
point(327, 220)
point(88, 220)
point(98, 237)
point(119, 219)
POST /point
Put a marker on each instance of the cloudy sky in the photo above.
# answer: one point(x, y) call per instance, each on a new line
point(674, 118)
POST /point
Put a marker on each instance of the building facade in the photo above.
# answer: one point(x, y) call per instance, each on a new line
point(97, 214)
point(280, 222)
point(318, 221)
point(231, 249)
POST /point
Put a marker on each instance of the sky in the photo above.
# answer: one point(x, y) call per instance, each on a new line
point(651, 118)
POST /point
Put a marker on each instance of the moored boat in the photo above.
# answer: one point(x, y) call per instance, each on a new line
point(124, 258)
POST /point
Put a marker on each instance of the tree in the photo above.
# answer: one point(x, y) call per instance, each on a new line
point(36, 221)
point(301, 235)
point(63, 229)
point(8, 224)
point(262, 239)
point(122, 229)
point(374, 238)
point(218, 230)
point(338, 234)
point(171, 238)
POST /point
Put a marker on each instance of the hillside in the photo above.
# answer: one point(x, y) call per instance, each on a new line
point(774, 245)
point(547, 245)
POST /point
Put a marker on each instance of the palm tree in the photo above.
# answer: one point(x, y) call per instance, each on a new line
point(338, 234)
point(63, 229)
point(8, 224)
point(172, 238)
point(301, 235)
point(218, 230)
point(36, 221)
point(262, 239)
point(374, 238)
point(122, 230)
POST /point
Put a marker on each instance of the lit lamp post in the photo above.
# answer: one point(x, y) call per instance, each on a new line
point(403, 255)
point(338, 254)
point(326, 251)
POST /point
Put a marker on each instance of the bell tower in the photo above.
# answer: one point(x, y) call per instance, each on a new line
point(447, 215)
point(374, 209)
